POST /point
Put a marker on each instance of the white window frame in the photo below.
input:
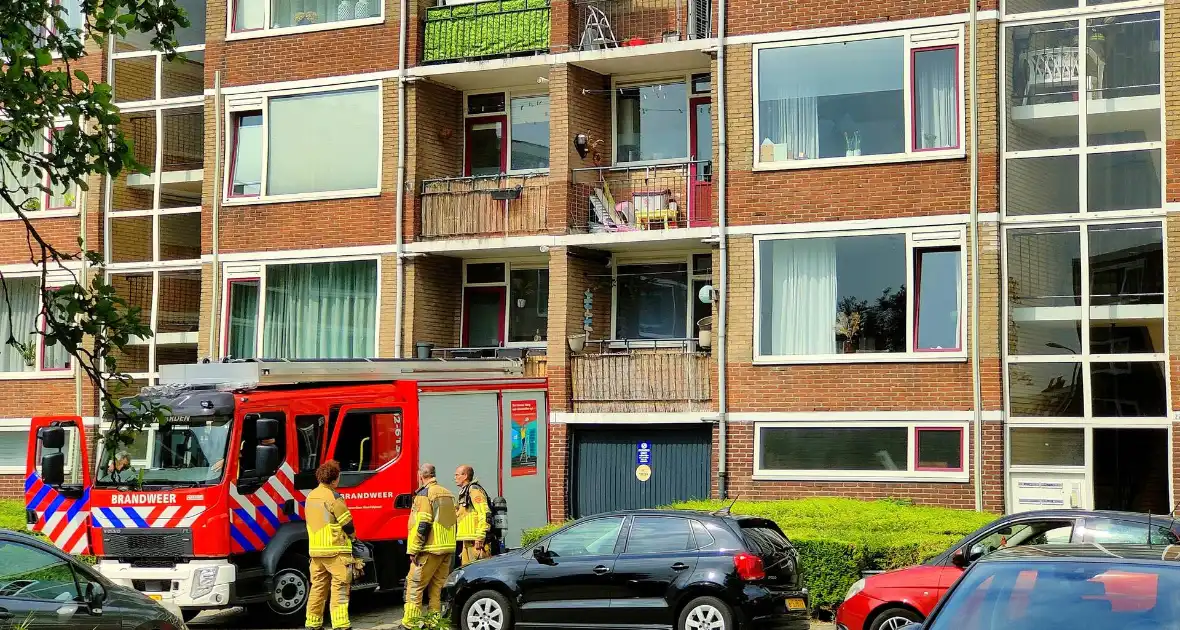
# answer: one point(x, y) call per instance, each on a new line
point(236, 272)
point(271, 31)
point(654, 259)
point(42, 196)
point(39, 371)
point(509, 267)
point(917, 239)
point(639, 81)
point(1084, 149)
point(157, 100)
point(1080, 8)
point(509, 94)
point(259, 102)
point(1085, 358)
point(151, 376)
point(911, 473)
point(914, 40)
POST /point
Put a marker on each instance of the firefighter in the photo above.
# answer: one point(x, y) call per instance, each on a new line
point(329, 543)
point(431, 544)
point(474, 517)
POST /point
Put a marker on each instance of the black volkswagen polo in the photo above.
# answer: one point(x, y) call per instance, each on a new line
point(639, 569)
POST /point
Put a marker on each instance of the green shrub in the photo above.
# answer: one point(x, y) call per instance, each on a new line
point(839, 538)
point(12, 516)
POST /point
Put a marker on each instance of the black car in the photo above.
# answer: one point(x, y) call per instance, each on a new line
point(1077, 586)
point(42, 588)
point(646, 568)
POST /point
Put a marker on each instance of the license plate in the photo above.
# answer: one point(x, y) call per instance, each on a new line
point(796, 603)
point(158, 598)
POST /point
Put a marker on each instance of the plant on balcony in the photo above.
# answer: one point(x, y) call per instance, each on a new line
point(486, 29)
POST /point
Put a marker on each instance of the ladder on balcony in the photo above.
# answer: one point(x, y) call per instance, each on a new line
point(598, 32)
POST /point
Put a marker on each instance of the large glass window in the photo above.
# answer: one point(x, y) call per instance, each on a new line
point(506, 134)
point(21, 306)
point(651, 301)
point(1047, 446)
point(173, 316)
point(529, 120)
point(256, 15)
point(504, 304)
point(35, 193)
point(651, 122)
point(848, 294)
point(315, 143)
point(846, 99)
point(877, 449)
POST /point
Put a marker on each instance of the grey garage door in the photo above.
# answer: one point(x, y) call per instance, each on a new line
point(605, 461)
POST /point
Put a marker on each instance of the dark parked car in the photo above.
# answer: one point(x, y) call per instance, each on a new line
point(42, 588)
point(1090, 586)
point(647, 568)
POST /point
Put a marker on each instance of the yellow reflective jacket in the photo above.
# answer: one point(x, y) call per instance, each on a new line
point(473, 512)
point(432, 520)
point(326, 517)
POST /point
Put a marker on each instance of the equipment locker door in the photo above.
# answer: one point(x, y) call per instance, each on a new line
point(57, 482)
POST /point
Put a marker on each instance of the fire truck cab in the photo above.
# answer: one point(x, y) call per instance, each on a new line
point(210, 513)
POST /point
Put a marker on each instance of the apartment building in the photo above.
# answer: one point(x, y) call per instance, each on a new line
point(759, 249)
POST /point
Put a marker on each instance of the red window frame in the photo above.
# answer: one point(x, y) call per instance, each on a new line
point(236, 120)
point(917, 253)
point(43, 324)
point(502, 291)
point(233, 19)
point(914, 94)
point(502, 120)
point(229, 282)
point(918, 467)
point(48, 195)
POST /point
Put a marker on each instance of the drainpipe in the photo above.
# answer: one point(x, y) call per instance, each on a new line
point(977, 386)
point(723, 292)
point(399, 300)
point(83, 242)
point(217, 187)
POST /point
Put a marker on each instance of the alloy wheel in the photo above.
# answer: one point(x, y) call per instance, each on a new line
point(894, 623)
point(704, 617)
point(485, 614)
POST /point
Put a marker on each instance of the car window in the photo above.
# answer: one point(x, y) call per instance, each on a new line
point(1028, 533)
point(1105, 531)
point(702, 535)
point(659, 534)
point(592, 538)
point(29, 573)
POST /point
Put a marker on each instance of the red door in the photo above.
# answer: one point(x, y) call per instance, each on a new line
point(486, 146)
point(57, 482)
point(700, 175)
point(483, 317)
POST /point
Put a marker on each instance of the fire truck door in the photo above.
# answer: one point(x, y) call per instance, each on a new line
point(57, 482)
point(367, 441)
point(262, 492)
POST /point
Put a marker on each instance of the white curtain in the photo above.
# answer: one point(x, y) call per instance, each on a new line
point(323, 142)
point(803, 297)
point(20, 322)
point(792, 124)
point(936, 99)
point(320, 311)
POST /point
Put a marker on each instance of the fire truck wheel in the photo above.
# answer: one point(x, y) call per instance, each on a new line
point(288, 597)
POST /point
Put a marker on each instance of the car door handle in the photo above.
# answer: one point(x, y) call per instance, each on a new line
point(679, 566)
point(601, 570)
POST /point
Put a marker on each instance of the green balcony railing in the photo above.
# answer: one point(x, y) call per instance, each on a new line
point(497, 28)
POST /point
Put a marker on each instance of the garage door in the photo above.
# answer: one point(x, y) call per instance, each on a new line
point(605, 461)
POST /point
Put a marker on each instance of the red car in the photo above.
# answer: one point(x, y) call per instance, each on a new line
point(888, 601)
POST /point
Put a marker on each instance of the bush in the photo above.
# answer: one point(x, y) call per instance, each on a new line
point(12, 516)
point(839, 538)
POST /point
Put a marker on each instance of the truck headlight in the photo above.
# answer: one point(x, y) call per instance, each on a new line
point(203, 581)
point(857, 587)
point(453, 578)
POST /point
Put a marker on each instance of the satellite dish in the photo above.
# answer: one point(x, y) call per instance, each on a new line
point(706, 294)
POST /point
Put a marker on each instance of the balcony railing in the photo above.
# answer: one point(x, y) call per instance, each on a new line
point(496, 28)
point(625, 199)
point(472, 206)
point(667, 375)
point(534, 358)
point(614, 23)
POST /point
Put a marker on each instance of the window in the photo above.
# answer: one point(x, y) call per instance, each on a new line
point(14, 445)
point(33, 574)
point(831, 297)
point(1047, 446)
point(651, 122)
point(589, 538)
point(174, 316)
point(506, 134)
point(504, 304)
point(37, 193)
point(273, 15)
point(311, 311)
point(367, 440)
point(315, 144)
point(810, 450)
point(248, 456)
point(652, 534)
point(839, 101)
point(309, 431)
point(1106, 531)
point(658, 300)
point(1033, 533)
point(20, 317)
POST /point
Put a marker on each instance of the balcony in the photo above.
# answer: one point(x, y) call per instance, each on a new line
point(637, 198)
point(484, 206)
point(638, 376)
point(534, 358)
point(480, 30)
point(619, 23)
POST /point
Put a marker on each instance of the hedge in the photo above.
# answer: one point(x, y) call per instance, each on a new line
point(486, 29)
point(839, 538)
point(12, 516)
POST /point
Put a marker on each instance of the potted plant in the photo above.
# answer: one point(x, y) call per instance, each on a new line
point(848, 326)
point(577, 342)
point(303, 18)
point(851, 143)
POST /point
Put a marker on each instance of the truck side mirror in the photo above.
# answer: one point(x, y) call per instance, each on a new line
point(403, 502)
point(52, 438)
point(266, 460)
point(53, 469)
point(267, 429)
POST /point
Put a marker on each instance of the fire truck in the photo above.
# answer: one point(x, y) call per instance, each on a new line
point(210, 513)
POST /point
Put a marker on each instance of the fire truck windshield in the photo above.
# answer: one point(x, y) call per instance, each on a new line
point(184, 452)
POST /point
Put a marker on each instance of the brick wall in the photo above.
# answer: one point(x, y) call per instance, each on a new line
point(433, 302)
point(434, 143)
point(766, 16)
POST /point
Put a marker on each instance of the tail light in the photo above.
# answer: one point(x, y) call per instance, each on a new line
point(749, 567)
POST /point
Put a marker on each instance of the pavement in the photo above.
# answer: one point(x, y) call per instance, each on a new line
point(368, 611)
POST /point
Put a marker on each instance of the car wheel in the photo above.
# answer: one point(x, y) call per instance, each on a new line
point(706, 613)
point(486, 610)
point(894, 618)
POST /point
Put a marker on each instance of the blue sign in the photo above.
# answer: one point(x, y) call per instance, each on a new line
point(643, 454)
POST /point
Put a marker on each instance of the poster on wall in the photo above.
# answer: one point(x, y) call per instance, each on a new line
point(524, 437)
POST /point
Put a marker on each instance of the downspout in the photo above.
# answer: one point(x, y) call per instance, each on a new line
point(83, 242)
point(399, 300)
point(977, 386)
point(723, 292)
point(217, 188)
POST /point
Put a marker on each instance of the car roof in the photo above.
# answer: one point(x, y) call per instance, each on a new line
point(697, 514)
point(12, 535)
point(1161, 554)
point(1075, 513)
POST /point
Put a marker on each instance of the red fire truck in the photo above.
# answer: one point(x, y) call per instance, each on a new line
point(210, 513)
